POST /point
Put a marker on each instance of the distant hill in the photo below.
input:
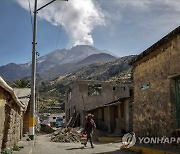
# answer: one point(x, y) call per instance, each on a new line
point(14, 71)
point(58, 62)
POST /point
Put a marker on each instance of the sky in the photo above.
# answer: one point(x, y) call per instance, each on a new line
point(123, 27)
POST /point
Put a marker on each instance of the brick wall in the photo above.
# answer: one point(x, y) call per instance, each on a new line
point(154, 107)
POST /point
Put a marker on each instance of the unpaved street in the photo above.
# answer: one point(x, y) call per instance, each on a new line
point(44, 146)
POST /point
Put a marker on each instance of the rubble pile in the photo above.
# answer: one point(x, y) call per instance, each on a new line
point(66, 135)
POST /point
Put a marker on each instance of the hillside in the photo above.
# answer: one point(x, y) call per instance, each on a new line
point(117, 71)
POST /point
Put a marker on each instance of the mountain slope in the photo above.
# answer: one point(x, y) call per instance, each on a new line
point(102, 71)
point(64, 57)
point(96, 58)
point(72, 67)
point(13, 71)
point(118, 71)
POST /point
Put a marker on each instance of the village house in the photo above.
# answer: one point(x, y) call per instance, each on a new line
point(115, 117)
point(86, 96)
point(53, 117)
point(24, 95)
point(157, 88)
point(10, 116)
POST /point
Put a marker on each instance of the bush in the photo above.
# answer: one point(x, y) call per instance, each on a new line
point(6, 151)
point(16, 148)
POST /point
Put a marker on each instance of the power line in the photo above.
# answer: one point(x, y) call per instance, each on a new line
point(30, 13)
point(60, 26)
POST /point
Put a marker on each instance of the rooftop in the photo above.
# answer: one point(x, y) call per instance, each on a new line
point(158, 44)
point(6, 87)
point(23, 95)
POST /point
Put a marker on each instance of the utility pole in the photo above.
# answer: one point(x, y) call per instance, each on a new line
point(33, 78)
point(33, 75)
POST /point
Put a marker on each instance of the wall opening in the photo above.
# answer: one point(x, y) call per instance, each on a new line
point(177, 89)
point(94, 90)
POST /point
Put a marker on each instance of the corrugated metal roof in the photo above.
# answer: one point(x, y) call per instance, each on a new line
point(105, 105)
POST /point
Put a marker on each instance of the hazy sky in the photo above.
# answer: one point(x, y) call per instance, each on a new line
point(123, 27)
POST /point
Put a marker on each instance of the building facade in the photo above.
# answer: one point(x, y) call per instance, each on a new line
point(10, 116)
point(115, 117)
point(83, 96)
point(157, 88)
point(23, 95)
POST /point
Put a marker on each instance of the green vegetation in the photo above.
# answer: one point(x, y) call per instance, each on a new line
point(6, 151)
point(51, 98)
point(21, 83)
point(16, 148)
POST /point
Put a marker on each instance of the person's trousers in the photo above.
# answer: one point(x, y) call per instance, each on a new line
point(89, 137)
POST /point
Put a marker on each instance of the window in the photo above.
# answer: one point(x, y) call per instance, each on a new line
point(123, 88)
point(131, 91)
point(114, 88)
point(69, 113)
point(94, 90)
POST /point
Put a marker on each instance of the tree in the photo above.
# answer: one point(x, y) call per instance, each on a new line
point(21, 83)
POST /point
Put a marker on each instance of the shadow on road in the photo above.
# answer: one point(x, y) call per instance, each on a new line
point(76, 148)
point(114, 152)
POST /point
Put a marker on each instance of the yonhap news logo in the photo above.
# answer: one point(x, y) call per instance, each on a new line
point(130, 140)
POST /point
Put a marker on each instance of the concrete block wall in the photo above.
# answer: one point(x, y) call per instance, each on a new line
point(79, 100)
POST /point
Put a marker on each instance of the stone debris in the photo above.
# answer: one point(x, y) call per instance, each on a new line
point(67, 135)
point(47, 129)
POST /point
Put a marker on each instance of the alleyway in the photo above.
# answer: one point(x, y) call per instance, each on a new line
point(44, 146)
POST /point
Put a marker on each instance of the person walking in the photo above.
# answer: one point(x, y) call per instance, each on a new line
point(89, 126)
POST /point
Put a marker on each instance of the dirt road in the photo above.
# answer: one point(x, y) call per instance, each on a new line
point(42, 145)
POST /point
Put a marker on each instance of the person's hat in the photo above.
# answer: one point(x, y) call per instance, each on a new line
point(90, 115)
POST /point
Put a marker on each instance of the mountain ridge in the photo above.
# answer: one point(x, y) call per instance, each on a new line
point(63, 57)
point(72, 67)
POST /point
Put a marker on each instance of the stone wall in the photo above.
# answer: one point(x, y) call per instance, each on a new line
point(154, 105)
point(2, 115)
point(10, 121)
